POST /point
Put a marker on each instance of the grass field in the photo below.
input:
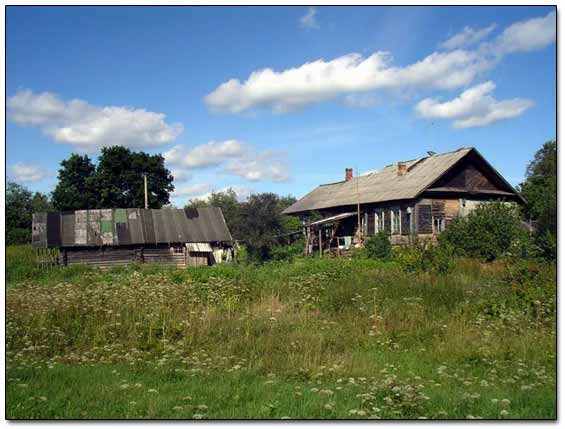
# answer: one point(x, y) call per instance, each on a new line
point(309, 339)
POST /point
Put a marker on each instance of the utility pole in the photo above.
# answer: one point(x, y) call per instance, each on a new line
point(145, 186)
point(358, 207)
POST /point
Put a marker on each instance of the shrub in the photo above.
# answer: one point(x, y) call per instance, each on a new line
point(18, 236)
point(488, 232)
point(422, 256)
point(288, 252)
point(378, 247)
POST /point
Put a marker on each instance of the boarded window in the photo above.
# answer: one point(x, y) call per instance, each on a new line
point(395, 217)
point(370, 224)
point(386, 220)
point(424, 218)
point(406, 219)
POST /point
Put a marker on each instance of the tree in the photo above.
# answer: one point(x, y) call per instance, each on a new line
point(20, 204)
point(18, 214)
point(119, 179)
point(261, 222)
point(540, 192)
point(75, 189)
point(40, 203)
point(288, 223)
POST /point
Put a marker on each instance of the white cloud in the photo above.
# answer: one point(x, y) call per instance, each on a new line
point(467, 37)
point(259, 167)
point(88, 127)
point(236, 157)
point(242, 192)
point(353, 74)
point(205, 155)
point(475, 107)
point(308, 20)
point(27, 173)
point(528, 35)
point(181, 175)
point(212, 154)
point(323, 80)
point(361, 101)
point(192, 190)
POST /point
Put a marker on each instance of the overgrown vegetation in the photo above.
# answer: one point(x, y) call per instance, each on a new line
point(257, 222)
point(378, 246)
point(540, 191)
point(20, 204)
point(490, 231)
point(313, 338)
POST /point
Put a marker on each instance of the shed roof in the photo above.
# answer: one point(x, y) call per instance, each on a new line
point(383, 185)
point(116, 227)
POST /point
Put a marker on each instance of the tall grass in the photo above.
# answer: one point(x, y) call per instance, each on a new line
point(356, 338)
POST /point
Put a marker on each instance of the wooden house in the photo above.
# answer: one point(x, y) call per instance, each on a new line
point(416, 198)
point(109, 237)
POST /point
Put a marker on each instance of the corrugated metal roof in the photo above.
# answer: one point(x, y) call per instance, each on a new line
point(380, 186)
point(208, 225)
point(133, 226)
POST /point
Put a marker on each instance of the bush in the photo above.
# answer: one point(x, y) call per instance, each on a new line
point(546, 244)
point(378, 247)
point(18, 236)
point(488, 232)
point(423, 256)
point(288, 252)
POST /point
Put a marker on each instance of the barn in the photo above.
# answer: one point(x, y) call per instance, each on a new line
point(415, 198)
point(110, 237)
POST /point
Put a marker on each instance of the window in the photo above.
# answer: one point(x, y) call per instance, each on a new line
point(379, 221)
point(395, 221)
point(439, 224)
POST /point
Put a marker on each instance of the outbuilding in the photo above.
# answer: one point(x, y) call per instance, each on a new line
point(110, 237)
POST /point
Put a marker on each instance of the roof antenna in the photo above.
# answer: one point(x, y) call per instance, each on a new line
point(431, 153)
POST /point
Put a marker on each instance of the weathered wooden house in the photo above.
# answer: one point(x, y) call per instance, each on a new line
point(109, 237)
point(416, 198)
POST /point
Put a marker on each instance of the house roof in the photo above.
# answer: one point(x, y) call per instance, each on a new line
point(117, 227)
point(384, 185)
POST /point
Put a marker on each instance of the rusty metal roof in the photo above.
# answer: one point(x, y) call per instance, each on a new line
point(382, 185)
point(117, 227)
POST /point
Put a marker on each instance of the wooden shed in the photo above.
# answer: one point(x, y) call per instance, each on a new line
point(109, 237)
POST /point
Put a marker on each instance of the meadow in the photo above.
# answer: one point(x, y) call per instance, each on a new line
point(306, 339)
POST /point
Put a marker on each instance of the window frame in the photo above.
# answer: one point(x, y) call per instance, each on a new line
point(441, 227)
point(395, 221)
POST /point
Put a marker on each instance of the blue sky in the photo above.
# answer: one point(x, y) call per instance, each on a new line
point(277, 99)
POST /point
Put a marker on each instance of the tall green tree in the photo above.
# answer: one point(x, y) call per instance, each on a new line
point(20, 204)
point(18, 214)
point(75, 188)
point(40, 203)
point(540, 191)
point(262, 221)
point(119, 179)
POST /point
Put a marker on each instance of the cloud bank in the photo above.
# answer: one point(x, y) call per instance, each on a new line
point(321, 80)
point(475, 107)
point(467, 37)
point(23, 172)
point(235, 158)
point(88, 127)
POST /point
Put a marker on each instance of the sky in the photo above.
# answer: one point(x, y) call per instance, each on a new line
point(276, 99)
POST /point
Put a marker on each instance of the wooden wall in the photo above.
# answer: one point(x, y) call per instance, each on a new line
point(107, 257)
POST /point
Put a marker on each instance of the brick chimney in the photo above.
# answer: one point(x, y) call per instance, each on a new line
point(348, 174)
point(401, 170)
